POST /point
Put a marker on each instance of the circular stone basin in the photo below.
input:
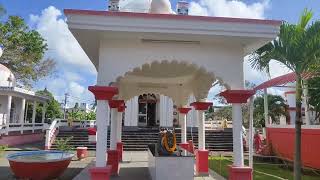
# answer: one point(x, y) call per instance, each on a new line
point(39, 165)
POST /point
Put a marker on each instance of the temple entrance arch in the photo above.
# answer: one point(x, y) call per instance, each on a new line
point(170, 84)
point(176, 79)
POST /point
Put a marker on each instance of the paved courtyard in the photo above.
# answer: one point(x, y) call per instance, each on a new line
point(134, 166)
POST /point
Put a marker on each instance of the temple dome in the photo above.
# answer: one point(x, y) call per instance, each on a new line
point(161, 7)
point(7, 78)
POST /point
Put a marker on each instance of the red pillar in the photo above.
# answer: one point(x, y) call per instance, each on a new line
point(101, 173)
point(120, 150)
point(113, 161)
point(202, 155)
point(202, 162)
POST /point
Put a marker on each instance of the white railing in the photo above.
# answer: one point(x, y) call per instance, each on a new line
point(51, 133)
point(21, 127)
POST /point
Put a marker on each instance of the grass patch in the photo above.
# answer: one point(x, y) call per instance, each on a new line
point(262, 171)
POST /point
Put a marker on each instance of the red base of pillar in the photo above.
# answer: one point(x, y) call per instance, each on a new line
point(184, 146)
point(82, 152)
point(191, 146)
point(113, 161)
point(240, 173)
point(100, 173)
point(120, 150)
point(202, 162)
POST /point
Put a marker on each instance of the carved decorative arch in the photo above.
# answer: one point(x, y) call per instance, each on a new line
point(174, 79)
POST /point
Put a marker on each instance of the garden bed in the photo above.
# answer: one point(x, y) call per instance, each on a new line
point(262, 170)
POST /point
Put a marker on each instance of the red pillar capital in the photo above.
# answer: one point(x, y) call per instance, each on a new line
point(121, 108)
point(116, 103)
point(201, 105)
point(103, 92)
point(237, 96)
point(184, 110)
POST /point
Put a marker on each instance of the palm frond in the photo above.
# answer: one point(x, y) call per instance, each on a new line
point(305, 18)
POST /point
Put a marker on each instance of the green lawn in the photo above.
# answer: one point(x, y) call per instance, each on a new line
point(220, 165)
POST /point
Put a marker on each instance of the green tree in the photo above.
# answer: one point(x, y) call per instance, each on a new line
point(298, 48)
point(276, 106)
point(53, 109)
point(90, 116)
point(314, 95)
point(24, 51)
point(224, 113)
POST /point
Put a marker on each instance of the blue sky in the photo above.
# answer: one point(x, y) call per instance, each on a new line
point(75, 72)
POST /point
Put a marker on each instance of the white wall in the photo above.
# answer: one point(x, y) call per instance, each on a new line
point(120, 56)
point(131, 112)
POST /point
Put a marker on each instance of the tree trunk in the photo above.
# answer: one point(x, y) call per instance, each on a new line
point(297, 153)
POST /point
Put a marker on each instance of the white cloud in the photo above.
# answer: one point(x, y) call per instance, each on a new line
point(74, 69)
point(62, 45)
point(229, 8)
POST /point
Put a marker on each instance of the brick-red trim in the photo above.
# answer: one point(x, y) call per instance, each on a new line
point(237, 96)
point(172, 16)
point(103, 92)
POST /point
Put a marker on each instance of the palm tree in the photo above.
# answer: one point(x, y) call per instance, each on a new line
point(298, 48)
point(276, 106)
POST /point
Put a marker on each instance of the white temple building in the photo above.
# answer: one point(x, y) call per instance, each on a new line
point(157, 62)
point(14, 103)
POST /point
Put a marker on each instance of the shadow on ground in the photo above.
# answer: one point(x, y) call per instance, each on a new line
point(139, 173)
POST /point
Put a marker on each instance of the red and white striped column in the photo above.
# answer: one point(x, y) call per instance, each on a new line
point(202, 155)
point(183, 120)
point(236, 98)
point(113, 153)
point(103, 95)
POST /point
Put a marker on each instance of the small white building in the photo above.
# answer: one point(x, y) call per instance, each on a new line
point(14, 105)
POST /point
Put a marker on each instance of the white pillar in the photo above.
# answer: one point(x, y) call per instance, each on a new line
point(201, 130)
point(43, 112)
point(26, 115)
point(103, 112)
point(169, 112)
point(119, 127)
point(237, 135)
point(306, 103)
point(23, 107)
point(163, 113)
point(251, 130)
point(7, 121)
point(113, 129)
point(34, 115)
point(134, 112)
point(127, 114)
point(266, 110)
point(183, 122)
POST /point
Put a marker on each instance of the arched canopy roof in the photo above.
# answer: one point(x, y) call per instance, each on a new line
point(282, 80)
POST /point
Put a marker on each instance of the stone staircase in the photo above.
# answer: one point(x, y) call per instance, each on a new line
point(139, 140)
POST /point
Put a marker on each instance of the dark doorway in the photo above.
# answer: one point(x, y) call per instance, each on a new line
point(151, 114)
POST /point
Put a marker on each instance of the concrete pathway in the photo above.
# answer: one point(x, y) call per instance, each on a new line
point(133, 167)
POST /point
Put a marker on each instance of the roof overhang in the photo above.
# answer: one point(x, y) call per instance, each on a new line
point(19, 92)
point(89, 27)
